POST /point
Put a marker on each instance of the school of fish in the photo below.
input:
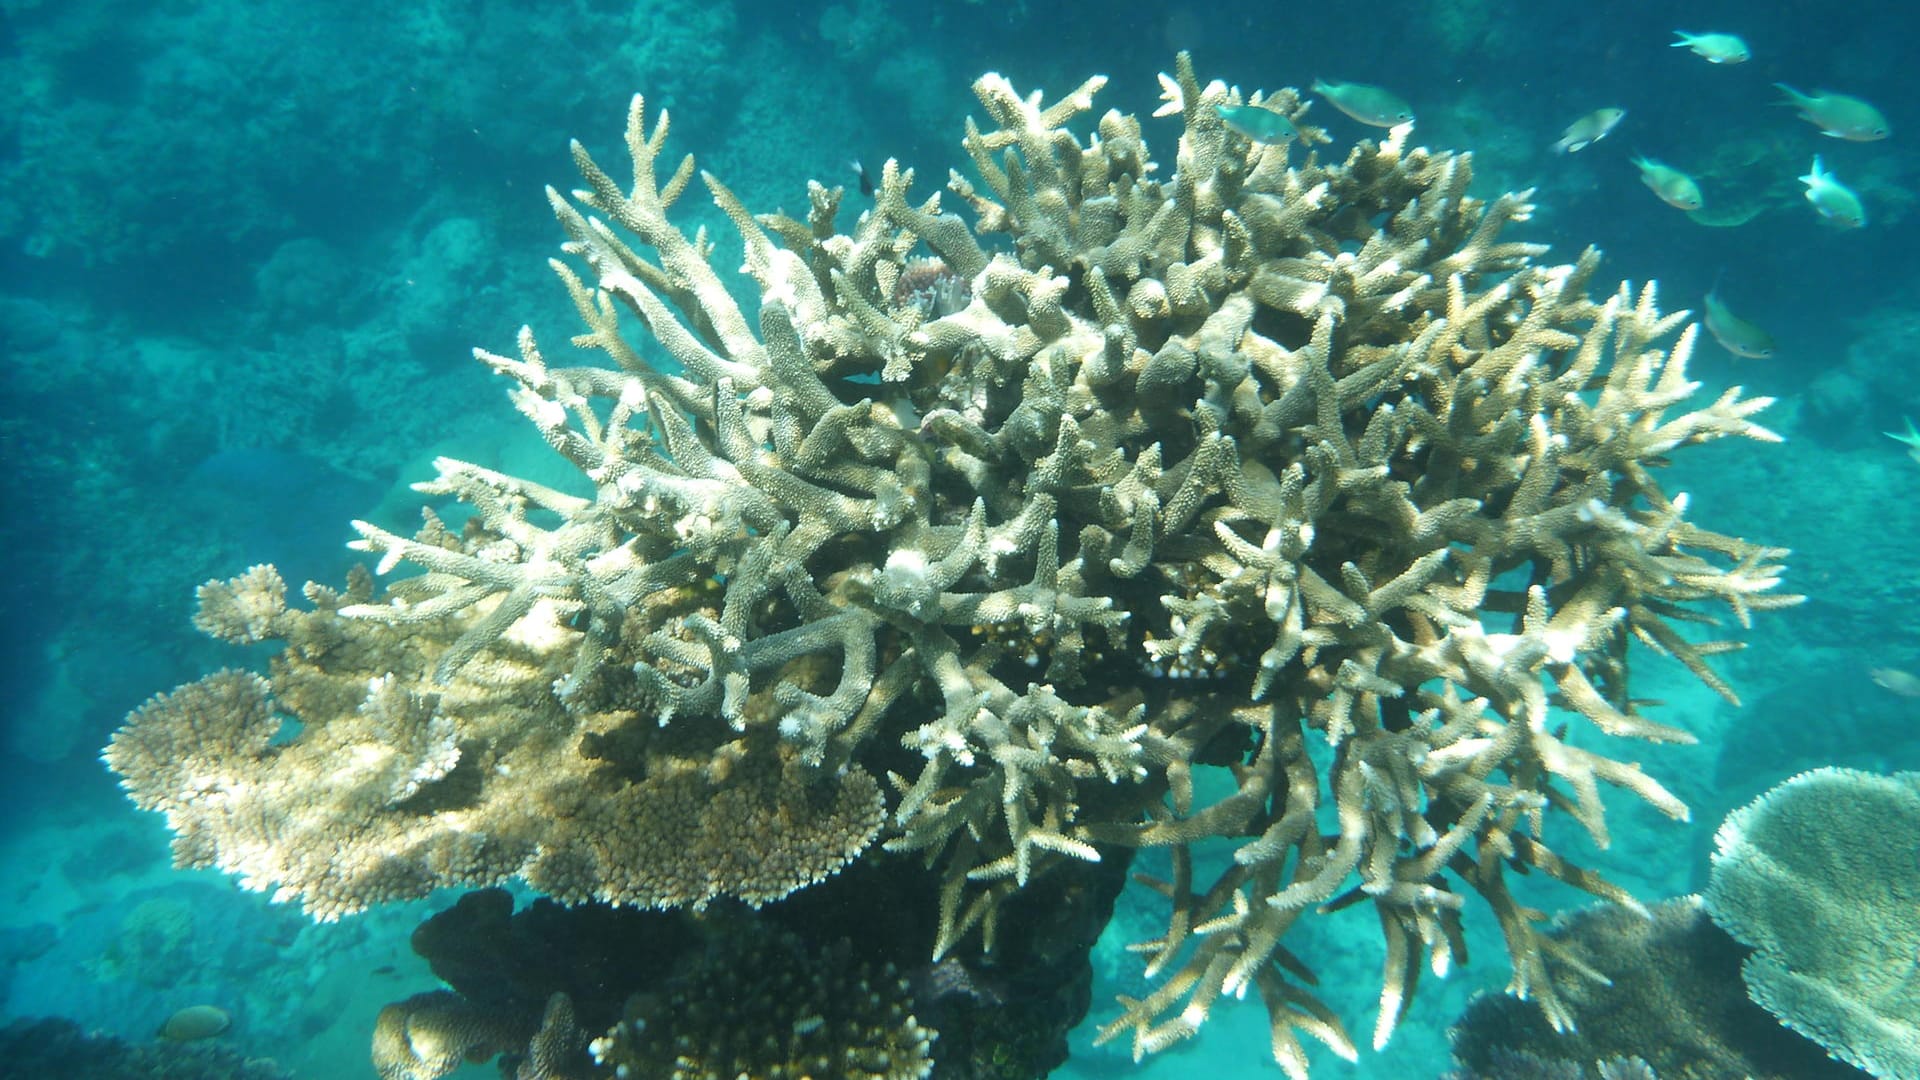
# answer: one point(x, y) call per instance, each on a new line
point(1837, 115)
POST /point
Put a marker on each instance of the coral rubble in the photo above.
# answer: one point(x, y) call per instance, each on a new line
point(1167, 474)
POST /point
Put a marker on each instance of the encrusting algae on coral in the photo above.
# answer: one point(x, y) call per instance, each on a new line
point(1196, 471)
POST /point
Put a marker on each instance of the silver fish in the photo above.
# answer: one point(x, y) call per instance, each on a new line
point(1588, 130)
point(1832, 199)
point(1895, 681)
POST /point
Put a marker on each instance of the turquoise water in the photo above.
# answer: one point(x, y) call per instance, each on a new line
point(246, 250)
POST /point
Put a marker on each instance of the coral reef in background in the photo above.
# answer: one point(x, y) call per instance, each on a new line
point(1863, 726)
point(278, 124)
point(51, 1046)
point(1199, 471)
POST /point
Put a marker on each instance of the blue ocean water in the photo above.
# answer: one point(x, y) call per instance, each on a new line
point(246, 250)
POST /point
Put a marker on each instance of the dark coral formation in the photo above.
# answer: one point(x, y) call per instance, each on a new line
point(1663, 989)
point(431, 1034)
point(635, 976)
point(1209, 463)
point(770, 1005)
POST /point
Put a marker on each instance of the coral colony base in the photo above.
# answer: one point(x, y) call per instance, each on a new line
point(1180, 475)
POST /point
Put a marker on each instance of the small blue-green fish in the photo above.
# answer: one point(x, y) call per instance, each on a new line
point(1839, 115)
point(1735, 334)
point(1260, 125)
point(1588, 130)
point(1674, 187)
point(1834, 200)
point(1715, 48)
point(1367, 104)
point(1910, 438)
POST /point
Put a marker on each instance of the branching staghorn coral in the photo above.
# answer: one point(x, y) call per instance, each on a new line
point(1190, 473)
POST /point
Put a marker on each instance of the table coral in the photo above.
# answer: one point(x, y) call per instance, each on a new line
point(1192, 472)
point(1819, 877)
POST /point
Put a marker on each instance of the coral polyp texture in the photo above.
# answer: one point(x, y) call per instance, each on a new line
point(981, 566)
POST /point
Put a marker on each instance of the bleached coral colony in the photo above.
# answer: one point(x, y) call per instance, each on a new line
point(980, 564)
